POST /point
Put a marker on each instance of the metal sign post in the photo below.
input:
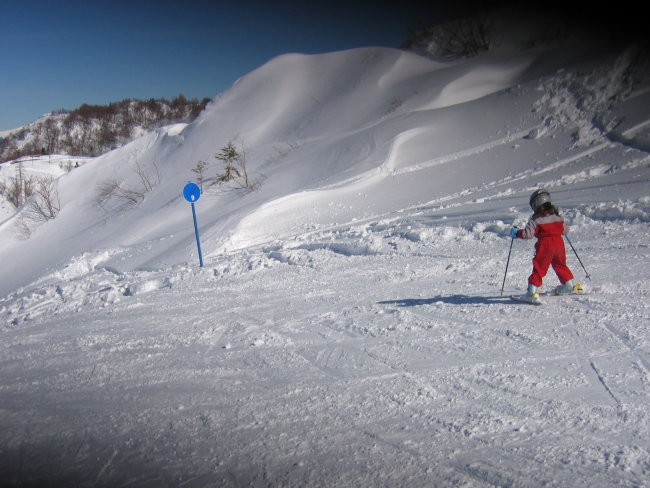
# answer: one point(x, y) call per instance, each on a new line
point(192, 193)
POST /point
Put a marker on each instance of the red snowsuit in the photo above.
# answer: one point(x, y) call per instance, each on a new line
point(549, 248)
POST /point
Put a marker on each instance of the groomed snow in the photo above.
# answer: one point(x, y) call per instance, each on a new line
point(347, 328)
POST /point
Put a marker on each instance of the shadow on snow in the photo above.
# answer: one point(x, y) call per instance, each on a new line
point(450, 299)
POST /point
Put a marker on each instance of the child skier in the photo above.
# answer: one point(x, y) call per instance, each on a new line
point(548, 226)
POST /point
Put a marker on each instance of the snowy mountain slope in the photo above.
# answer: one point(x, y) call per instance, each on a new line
point(391, 121)
point(348, 327)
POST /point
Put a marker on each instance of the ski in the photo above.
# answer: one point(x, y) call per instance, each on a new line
point(525, 299)
point(553, 294)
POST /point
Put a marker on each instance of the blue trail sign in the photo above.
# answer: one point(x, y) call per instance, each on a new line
point(192, 193)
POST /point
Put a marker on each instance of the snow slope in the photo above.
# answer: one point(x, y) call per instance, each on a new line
point(348, 327)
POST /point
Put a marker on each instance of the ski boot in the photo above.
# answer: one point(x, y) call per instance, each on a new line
point(568, 288)
point(532, 295)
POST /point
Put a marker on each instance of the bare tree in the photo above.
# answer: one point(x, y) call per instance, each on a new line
point(44, 203)
point(51, 133)
point(199, 169)
point(113, 189)
point(145, 178)
point(19, 188)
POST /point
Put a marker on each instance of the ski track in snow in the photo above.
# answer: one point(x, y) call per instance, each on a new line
point(451, 385)
point(410, 381)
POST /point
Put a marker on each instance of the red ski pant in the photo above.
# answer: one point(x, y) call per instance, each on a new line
point(549, 251)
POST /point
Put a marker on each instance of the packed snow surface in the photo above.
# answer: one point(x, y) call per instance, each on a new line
point(348, 327)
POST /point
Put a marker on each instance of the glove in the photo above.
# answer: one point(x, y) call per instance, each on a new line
point(513, 232)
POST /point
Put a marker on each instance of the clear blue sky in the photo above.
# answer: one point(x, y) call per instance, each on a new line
point(62, 53)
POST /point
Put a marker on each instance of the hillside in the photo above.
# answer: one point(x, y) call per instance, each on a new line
point(91, 130)
point(348, 327)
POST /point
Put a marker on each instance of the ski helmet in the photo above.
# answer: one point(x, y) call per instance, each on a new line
point(539, 198)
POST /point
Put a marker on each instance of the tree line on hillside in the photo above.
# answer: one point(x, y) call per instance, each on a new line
point(91, 130)
point(477, 29)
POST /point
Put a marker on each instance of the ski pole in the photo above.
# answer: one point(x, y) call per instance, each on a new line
point(579, 260)
point(507, 264)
